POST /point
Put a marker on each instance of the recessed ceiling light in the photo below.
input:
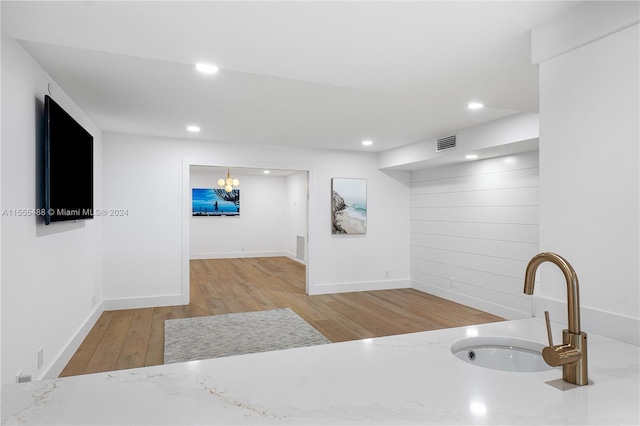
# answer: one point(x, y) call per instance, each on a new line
point(207, 68)
point(471, 156)
point(367, 143)
point(266, 172)
point(475, 105)
point(193, 129)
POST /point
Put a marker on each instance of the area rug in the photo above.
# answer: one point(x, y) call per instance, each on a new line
point(196, 338)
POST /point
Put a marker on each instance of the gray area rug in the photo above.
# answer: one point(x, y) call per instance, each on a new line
point(190, 339)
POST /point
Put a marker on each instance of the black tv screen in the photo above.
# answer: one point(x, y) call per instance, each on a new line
point(68, 159)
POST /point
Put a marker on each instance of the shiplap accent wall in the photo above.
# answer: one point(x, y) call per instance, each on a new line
point(474, 228)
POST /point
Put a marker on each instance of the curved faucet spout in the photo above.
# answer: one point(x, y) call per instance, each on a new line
point(573, 296)
point(572, 353)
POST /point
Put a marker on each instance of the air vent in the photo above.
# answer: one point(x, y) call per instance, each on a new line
point(446, 143)
point(300, 247)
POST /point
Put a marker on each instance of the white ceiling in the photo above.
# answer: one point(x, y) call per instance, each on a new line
point(306, 73)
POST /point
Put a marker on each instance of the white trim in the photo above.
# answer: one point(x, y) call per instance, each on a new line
point(62, 359)
point(246, 254)
point(472, 302)
point(294, 257)
point(231, 255)
point(142, 302)
point(310, 239)
point(186, 214)
point(360, 286)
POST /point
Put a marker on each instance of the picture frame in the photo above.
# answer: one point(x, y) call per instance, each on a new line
point(348, 206)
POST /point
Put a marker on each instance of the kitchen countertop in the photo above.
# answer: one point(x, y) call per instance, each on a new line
point(404, 379)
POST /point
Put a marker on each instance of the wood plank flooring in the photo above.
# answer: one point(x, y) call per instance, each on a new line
point(135, 337)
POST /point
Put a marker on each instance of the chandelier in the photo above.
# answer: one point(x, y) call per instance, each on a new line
point(229, 183)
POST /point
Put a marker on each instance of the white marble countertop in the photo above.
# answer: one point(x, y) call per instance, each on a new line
point(405, 379)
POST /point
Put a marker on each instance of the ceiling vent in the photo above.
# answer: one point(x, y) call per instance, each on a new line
point(446, 143)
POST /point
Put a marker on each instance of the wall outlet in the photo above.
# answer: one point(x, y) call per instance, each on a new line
point(242, 248)
point(40, 357)
point(93, 301)
point(386, 273)
point(451, 280)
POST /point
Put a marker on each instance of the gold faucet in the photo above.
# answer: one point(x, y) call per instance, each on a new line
point(572, 353)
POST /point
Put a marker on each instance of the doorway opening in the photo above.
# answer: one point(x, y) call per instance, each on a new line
point(270, 218)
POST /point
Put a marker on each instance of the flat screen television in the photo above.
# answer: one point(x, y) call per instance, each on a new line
point(68, 164)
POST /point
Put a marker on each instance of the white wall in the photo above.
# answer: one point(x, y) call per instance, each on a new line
point(50, 274)
point(144, 254)
point(258, 231)
point(474, 227)
point(296, 212)
point(589, 178)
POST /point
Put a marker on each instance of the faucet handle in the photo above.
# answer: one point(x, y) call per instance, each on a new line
point(560, 354)
point(546, 318)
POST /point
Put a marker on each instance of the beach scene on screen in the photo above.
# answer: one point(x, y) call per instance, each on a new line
point(215, 202)
point(349, 206)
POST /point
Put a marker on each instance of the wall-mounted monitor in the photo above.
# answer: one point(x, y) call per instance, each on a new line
point(215, 202)
point(68, 159)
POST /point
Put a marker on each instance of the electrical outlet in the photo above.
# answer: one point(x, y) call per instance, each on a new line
point(93, 301)
point(242, 248)
point(40, 357)
point(386, 273)
point(451, 280)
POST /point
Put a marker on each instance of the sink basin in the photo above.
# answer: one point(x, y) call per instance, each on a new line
point(501, 353)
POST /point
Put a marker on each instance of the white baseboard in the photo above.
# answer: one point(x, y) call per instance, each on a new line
point(143, 302)
point(293, 256)
point(62, 359)
point(358, 286)
point(615, 326)
point(473, 302)
point(231, 255)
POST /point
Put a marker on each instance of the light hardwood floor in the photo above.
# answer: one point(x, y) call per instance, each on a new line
point(135, 337)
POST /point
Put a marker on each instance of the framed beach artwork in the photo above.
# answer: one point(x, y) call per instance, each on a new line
point(348, 206)
point(215, 202)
